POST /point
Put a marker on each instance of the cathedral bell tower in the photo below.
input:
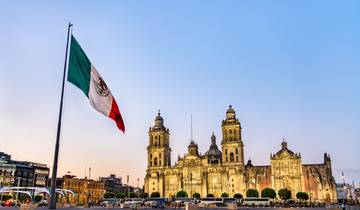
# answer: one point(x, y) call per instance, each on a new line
point(159, 151)
point(232, 145)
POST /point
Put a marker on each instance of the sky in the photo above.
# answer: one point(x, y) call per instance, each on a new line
point(291, 69)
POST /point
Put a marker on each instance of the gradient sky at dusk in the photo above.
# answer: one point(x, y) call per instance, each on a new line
point(290, 69)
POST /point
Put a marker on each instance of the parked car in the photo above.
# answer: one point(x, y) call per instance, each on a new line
point(156, 202)
point(206, 202)
point(227, 201)
point(109, 202)
point(183, 201)
point(10, 203)
point(131, 202)
point(256, 201)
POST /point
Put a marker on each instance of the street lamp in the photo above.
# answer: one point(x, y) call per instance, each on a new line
point(17, 192)
point(88, 189)
point(345, 190)
point(138, 192)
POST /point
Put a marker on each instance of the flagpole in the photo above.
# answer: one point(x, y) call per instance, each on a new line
point(56, 153)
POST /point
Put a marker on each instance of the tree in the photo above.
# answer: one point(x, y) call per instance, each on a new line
point(284, 194)
point(120, 195)
point(155, 195)
point(238, 196)
point(181, 194)
point(302, 196)
point(144, 195)
point(210, 195)
point(224, 195)
point(196, 195)
point(268, 193)
point(131, 195)
point(252, 193)
point(38, 198)
point(109, 195)
point(6, 197)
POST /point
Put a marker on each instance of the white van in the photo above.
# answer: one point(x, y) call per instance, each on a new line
point(256, 201)
point(205, 202)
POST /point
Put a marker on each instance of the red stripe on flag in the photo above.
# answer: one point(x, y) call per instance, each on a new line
point(116, 116)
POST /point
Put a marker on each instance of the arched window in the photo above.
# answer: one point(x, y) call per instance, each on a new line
point(159, 155)
point(236, 151)
point(230, 131)
point(155, 161)
point(231, 157)
point(150, 163)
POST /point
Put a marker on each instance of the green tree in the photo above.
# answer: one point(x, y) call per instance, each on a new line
point(268, 193)
point(24, 197)
point(210, 195)
point(109, 195)
point(144, 195)
point(120, 195)
point(302, 196)
point(284, 194)
point(252, 193)
point(38, 198)
point(131, 195)
point(238, 196)
point(6, 197)
point(224, 195)
point(155, 195)
point(181, 194)
point(196, 195)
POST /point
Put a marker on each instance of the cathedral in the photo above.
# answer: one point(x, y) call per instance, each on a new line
point(223, 169)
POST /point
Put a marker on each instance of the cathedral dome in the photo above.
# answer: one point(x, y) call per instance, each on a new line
point(230, 113)
point(159, 120)
point(230, 110)
point(193, 148)
point(213, 154)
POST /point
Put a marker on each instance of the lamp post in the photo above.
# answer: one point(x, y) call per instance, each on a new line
point(138, 192)
point(345, 190)
point(88, 195)
point(17, 192)
point(127, 182)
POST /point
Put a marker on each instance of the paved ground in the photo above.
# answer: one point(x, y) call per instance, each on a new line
point(217, 208)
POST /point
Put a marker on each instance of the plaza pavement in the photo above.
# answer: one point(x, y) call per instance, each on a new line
point(217, 208)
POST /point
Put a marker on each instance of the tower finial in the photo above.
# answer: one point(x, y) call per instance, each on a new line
point(159, 112)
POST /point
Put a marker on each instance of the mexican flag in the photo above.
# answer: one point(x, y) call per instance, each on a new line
point(84, 75)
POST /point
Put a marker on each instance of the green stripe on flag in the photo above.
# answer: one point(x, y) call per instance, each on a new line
point(79, 67)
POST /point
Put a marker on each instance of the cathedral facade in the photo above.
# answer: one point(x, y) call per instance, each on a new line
point(223, 169)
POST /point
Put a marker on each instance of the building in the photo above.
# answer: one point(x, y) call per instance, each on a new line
point(86, 190)
point(219, 171)
point(22, 173)
point(41, 174)
point(112, 183)
point(347, 193)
